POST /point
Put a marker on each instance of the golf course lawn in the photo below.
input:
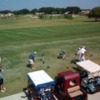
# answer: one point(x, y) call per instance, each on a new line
point(22, 35)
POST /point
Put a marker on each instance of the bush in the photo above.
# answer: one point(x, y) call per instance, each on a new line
point(68, 16)
point(41, 16)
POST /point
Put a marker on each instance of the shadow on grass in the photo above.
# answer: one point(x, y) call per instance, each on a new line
point(74, 61)
point(91, 21)
point(77, 69)
point(28, 65)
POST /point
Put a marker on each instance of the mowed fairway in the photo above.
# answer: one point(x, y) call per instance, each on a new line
point(22, 35)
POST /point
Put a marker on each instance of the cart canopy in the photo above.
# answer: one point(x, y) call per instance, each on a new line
point(89, 66)
point(40, 79)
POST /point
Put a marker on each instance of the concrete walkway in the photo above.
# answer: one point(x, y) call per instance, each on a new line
point(19, 96)
point(95, 96)
point(22, 96)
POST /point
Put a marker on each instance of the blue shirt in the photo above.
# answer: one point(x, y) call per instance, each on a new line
point(1, 75)
point(32, 56)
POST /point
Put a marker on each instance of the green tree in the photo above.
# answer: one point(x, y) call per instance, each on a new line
point(33, 11)
point(21, 12)
point(47, 10)
point(73, 10)
point(59, 10)
point(68, 16)
point(95, 13)
point(24, 11)
point(5, 12)
point(41, 16)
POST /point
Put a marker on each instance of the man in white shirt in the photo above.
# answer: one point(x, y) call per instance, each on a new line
point(81, 52)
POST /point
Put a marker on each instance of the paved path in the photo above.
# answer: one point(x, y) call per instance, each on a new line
point(22, 96)
point(95, 96)
point(19, 96)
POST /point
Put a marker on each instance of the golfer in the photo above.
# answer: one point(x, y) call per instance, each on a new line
point(2, 89)
point(32, 59)
point(81, 53)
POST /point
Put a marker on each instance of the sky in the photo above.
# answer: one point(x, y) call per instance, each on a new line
point(32, 4)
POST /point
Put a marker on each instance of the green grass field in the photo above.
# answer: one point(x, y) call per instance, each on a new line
point(22, 35)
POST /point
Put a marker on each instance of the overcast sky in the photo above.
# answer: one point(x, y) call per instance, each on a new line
point(31, 4)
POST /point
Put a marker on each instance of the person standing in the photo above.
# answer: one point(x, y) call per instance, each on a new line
point(32, 59)
point(0, 59)
point(42, 58)
point(2, 89)
point(81, 53)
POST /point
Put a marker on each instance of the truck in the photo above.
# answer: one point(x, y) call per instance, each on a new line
point(65, 86)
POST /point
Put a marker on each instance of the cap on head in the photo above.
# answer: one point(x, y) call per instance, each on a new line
point(35, 52)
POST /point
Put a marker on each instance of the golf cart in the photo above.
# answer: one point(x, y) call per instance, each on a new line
point(91, 83)
point(40, 86)
point(67, 86)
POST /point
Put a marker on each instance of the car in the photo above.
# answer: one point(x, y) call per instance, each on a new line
point(91, 85)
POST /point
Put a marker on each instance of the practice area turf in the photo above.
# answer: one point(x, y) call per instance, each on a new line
point(22, 35)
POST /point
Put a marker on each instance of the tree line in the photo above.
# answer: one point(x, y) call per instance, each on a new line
point(94, 13)
point(45, 10)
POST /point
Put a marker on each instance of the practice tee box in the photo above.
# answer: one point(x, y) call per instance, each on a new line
point(40, 78)
point(89, 66)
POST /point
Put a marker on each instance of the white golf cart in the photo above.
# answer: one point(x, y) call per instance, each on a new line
point(91, 83)
point(40, 85)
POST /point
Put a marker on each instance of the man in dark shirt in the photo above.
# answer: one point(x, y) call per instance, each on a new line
point(62, 54)
point(32, 59)
point(2, 89)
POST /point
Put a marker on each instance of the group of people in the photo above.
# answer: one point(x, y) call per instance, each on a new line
point(81, 56)
point(31, 58)
point(81, 53)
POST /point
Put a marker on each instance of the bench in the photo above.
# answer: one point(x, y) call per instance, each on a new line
point(74, 91)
